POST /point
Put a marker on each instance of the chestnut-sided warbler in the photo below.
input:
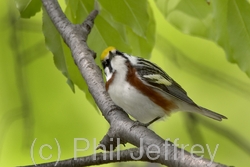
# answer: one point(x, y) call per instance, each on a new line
point(144, 90)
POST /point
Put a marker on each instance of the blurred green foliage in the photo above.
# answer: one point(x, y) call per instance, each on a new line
point(36, 103)
point(224, 22)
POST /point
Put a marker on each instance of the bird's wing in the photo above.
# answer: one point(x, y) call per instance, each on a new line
point(155, 77)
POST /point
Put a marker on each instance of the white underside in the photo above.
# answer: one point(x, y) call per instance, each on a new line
point(127, 97)
point(135, 103)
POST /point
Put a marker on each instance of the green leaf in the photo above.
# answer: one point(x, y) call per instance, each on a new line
point(129, 12)
point(56, 45)
point(71, 10)
point(224, 22)
point(191, 17)
point(137, 20)
point(113, 30)
point(28, 8)
point(142, 45)
point(104, 33)
point(239, 33)
point(63, 58)
point(107, 31)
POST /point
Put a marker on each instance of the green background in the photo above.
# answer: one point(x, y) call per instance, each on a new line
point(53, 111)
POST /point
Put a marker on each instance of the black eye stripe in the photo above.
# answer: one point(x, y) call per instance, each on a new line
point(110, 69)
point(107, 63)
point(121, 54)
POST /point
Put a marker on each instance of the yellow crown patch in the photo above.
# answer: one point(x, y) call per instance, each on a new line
point(106, 51)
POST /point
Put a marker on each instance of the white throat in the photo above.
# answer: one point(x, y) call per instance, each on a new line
point(119, 66)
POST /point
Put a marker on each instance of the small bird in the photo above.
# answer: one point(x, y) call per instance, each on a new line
point(144, 90)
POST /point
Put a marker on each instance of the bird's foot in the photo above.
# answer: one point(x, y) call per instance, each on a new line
point(137, 123)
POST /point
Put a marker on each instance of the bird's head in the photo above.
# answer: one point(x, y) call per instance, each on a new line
point(114, 61)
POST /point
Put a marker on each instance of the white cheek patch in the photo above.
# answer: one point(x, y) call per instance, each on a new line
point(107, 73)
point(158, 79)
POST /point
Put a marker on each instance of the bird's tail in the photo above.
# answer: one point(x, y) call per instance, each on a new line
point(211, 114)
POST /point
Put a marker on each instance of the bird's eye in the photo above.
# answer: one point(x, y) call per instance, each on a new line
point(106, 63)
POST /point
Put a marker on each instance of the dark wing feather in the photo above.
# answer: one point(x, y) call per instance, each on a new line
point(146, 68)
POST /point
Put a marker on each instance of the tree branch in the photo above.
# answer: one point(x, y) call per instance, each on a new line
point(121, 127)
point(99, 158)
